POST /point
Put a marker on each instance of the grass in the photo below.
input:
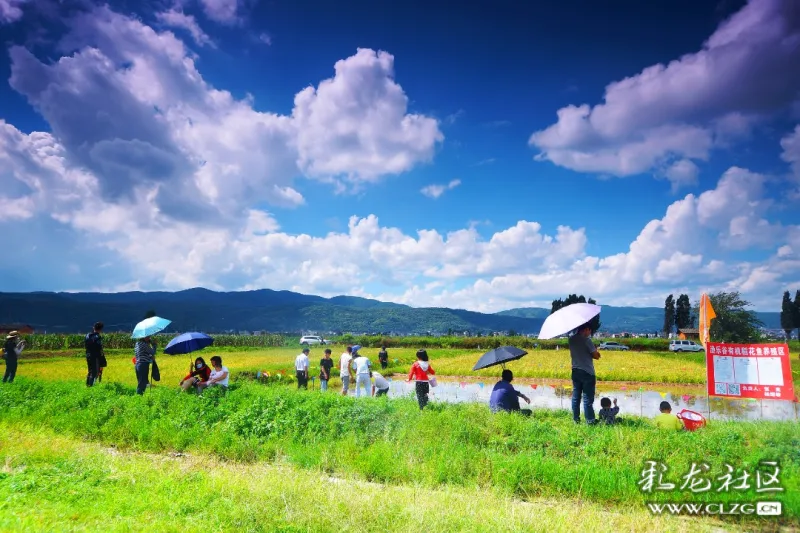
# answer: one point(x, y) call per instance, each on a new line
point(653, 367)
point(392, 442)
point(84, 487)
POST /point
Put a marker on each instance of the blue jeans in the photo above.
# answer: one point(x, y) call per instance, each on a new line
point(583, 383)
point(362, 380)
point(142, 376)
point(323, 384)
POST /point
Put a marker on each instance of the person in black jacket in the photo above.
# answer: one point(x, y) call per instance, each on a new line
point(94, 353)
point(383, 357)
point(11, 350)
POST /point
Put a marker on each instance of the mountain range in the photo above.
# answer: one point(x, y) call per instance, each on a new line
point(284, 311)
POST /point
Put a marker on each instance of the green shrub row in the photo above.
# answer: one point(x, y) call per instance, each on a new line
point(59, 341)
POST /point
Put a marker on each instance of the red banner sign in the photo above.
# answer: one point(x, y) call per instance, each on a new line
point(760, 371)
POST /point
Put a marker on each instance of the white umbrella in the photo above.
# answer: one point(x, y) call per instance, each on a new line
point(568, 318)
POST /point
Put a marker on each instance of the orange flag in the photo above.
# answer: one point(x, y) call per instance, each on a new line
point(707, 314)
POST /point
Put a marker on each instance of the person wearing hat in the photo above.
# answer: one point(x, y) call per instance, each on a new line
point(301, 367)
point(11, 350)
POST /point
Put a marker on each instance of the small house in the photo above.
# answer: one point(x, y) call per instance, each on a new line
point(691, 334)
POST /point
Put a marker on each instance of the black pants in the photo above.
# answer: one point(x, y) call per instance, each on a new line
point(384, 364)
point(423, 388)
point(93, 365)
point(302, 380)
point(142, 377)
point(381, 392)
point(11, 368)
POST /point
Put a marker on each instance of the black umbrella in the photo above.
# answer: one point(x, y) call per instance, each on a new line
point(499, 356)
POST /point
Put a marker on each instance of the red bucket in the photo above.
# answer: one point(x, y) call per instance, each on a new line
point(692, 420)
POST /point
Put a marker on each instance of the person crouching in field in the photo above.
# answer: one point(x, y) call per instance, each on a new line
point(380, 387)
point(419, 373)
point(145, 352)
point(11, 350)
point(505, 397)
point(199, 374)
point(219, 376)
point(607, 413)
point(93, 342)
point(666, 420)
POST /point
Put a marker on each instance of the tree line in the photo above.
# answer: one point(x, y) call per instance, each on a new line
point(790, 314)
point(734, 322)
point(575, 299)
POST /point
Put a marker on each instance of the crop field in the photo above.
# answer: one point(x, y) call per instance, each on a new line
point(266, 456)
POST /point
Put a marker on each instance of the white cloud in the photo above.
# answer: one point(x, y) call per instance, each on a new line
point(682, 173)
point(356, 125)
point(179, 19)
point(265, 38)
point(435, 191)
point(680, 111)
point(791, 151)
point(222, 11)
point(11, 10)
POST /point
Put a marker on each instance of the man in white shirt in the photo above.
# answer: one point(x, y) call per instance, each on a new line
point(363, 371)
point(381, 385)
point(301, 367)
point(219, 376)
point(344, 369)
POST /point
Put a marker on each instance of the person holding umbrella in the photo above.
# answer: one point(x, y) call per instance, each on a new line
point(583, 353)
point(505, 397)
point(198, 375)
point(145, 354)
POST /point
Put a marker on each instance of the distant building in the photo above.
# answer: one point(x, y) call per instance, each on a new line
point(689, 334)
point(24, 329)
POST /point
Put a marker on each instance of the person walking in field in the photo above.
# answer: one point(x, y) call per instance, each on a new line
point(93, 342)
point(344, 369)
point(145, 354)
point(12, 349)
point(583, 353)
point(363, 370)
point(325, 366)
point(419, 373)
point(383, 358)
point(301, 369)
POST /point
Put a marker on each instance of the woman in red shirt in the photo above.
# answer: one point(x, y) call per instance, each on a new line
point(199, 374)
point(419, 372)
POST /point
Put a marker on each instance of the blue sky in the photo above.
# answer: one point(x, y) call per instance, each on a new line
point(496, 155)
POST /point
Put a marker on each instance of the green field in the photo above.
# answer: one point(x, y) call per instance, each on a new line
point(272, 451)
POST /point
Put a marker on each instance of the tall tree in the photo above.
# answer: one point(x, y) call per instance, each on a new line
point(595, 322)
point(734, 323)
point(683, 312)
point(669, 315)
point(788, 312)
point(797, 313)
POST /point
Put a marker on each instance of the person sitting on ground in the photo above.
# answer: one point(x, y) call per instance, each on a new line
point(381, 385)
point(505, 397)
point(383, 358)
point(219, 376)
point(666, 420)
point(608, 414)
point(198, 374)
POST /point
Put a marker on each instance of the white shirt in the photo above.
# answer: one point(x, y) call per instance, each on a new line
point(361, 365)
point(301, 362)
point(380, 381)
point(344, 364)
point(217, 373)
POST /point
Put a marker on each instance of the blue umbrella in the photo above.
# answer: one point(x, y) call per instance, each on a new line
point(188, 343)
point(149, 326)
